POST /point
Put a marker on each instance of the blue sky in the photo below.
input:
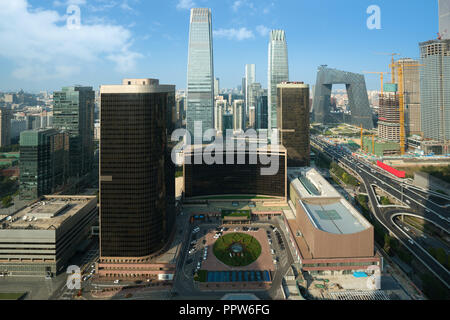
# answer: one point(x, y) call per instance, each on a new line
point(149, 38)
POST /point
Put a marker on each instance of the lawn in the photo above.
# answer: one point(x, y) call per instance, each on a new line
point(251, 249)
point(236, 213)
point(11, 296)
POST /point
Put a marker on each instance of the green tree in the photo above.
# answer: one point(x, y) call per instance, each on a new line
point(7, 201)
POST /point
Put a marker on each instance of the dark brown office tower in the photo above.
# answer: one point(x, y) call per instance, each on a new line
point(293, 121)
point(135, 210)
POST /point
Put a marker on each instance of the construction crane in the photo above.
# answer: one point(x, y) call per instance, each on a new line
point(401, 100)
point(392, 65)
point(373, 141)
point(381, 77)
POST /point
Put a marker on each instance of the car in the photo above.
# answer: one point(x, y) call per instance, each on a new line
point(216, 236)
point(275, 230)
point(407, 229)
point(272, 251)
point(191, 251)
point(274, 261)
point(116, 281)
point(199, 264)
point(225, 229)
point(194, 242)
point(411, 241)
point(237, 229)
point(84, 278)
point(272, 227)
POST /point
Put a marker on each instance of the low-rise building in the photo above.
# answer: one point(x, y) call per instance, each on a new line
point(328, 234)
point(41, 238)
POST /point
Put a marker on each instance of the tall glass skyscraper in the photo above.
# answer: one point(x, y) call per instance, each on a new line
point(73, 111)
point(435, 89)
point(444, 19)
point(278, 71)
point(250, 78)
point(200, 74)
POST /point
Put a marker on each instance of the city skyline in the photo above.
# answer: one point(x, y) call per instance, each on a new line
point(159, 50)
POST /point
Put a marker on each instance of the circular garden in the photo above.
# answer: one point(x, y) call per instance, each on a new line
point(237, 249)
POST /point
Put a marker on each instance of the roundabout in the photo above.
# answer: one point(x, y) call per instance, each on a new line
point(237, 249)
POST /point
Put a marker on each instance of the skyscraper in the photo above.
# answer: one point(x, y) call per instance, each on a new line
point(135, 168)
point(278, 71)
point(73, 112)
point(220, 108)
point(293, 121)
point(44, 162)
point(434, 89)
point(411, 90)
point(216, 87)
point(250, 78)
point(5, 127)
point(389, 114)
point(200, 74)
point(238, 115)
point(444, 19)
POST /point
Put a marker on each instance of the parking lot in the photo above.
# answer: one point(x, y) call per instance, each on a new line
point(200, 254)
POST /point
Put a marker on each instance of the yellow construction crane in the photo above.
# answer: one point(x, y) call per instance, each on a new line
point(381, 77)
point(392, 65)
point(401, 100)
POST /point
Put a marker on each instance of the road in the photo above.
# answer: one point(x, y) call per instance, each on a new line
point(417, 203)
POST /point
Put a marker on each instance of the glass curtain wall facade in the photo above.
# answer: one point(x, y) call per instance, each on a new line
point(293, 122)
point(234, 178)
point(250, 78)
point(435, 89)
point(411, 88)
point(200, 74)
point(444, 19)
point(238, 115)
point(44, 162)
point(278, 71)
point(136, 174)
point(73, 112)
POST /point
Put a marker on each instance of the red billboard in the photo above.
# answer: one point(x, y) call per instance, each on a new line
point(395, 172)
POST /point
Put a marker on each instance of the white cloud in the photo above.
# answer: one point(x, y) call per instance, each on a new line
point(185, 4)
point(236, 5)
point(262, 30)
point(240, 3)
point(41, 46)
point(234, 34)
